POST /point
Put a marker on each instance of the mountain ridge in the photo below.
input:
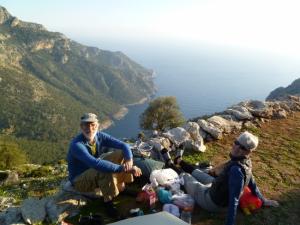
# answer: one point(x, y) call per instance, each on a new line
point(281, 93)
point(47, 81)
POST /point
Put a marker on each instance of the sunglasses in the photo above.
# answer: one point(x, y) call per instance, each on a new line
point(240, 145)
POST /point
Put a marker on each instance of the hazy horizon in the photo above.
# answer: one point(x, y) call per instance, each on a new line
point(266, 26)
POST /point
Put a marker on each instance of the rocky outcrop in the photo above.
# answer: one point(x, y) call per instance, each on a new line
point(51, 209)
point(4, 15)
point(64, 204)
point(41, 45)
point(258, 108)
point(283, 93)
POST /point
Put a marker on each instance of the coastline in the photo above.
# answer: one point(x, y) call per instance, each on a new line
point(105, 124)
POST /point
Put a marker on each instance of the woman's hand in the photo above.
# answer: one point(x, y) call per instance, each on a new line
point(269, 202)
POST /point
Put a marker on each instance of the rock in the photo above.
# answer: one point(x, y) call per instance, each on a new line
point(224, 125)
point(11, 216)
point(202, 133)
point(195, 146)
point(293, 102)
point(177, 135)
point(193, 129)
point(228, 117)
point(33, 210)
point(258, 108)
point(283, 105)
point(280, 114)
point(6, 202)
point(197, 143)
point(64, 204)
point(159, 143)
point(239, 112)
point(214, 131)
point(8, 177)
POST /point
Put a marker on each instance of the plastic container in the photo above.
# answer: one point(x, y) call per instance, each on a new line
point(184, 202)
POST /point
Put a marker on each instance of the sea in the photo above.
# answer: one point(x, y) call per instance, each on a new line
point(204, 78)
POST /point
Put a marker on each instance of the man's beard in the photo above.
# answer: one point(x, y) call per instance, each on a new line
point(90, 136)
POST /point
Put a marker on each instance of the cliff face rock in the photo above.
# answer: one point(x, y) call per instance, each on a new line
point(4, 15)
point(282, 93)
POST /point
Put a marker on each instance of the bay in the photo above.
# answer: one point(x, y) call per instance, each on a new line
point(204, 79)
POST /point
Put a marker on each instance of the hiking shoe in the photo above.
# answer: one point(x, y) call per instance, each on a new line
point(112, 211)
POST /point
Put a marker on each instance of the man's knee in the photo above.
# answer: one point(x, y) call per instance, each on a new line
point(115, 156)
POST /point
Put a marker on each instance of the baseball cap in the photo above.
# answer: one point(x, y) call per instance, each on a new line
point(89, 117)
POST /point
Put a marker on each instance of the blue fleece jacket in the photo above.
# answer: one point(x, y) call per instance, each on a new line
point(80, 157)
point(236, 184)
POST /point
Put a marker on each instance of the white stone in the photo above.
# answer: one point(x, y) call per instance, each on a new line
point(159, 143)
point(258, 108)
point(224, 125)
point(197, 142)
point(211, 129)
point(239, 112)
point(177, 135)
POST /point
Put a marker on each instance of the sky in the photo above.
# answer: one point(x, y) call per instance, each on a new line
point(271, 25)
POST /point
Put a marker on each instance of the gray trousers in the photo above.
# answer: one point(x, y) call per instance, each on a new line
point(197, 185)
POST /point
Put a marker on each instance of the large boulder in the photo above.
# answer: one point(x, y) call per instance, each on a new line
point(196, 143)
point(177, 135)
point(193, 129)
point(258, 108)
point(33, 210)
point(239, 112)
point(211, 129)
point(64, 204)
point(226, 126)
point(11, 216)
point(8, 177)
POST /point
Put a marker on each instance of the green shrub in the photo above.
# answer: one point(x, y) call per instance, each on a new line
point(162, 113)
point(11, 155)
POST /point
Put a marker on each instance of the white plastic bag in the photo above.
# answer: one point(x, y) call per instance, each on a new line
point(166, 178)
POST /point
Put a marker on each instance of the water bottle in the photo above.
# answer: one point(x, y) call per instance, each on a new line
point(186, 216)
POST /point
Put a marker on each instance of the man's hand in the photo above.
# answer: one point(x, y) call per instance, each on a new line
point(128, 165)
point(136, 171)
point(269, 202)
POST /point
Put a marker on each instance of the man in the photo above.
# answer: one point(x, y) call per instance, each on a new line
point(90, 168)
point(214, 194)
